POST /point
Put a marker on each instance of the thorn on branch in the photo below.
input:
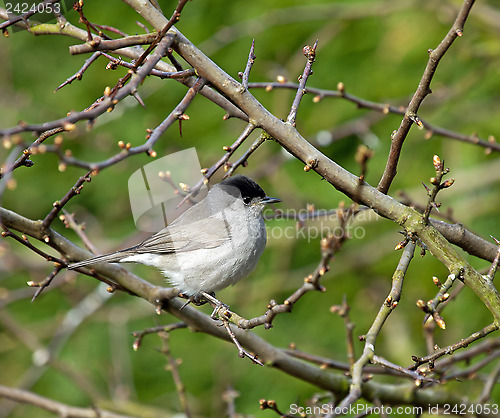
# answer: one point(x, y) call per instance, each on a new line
point(138, 98)
point(79, 74)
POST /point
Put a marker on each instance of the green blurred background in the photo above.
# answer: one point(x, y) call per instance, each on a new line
point(378, 49)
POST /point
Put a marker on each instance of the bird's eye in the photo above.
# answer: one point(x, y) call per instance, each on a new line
point(247, 200)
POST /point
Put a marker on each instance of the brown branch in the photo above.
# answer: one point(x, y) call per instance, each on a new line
point(310, 53)
point(24, 159)
point(78, 7)
point(467, 354)
point(113, 44)
point(172, 367)
point(174, 115)
point(106, 103)
point(79, 74)
point(70, 222)
point(243, 160)
point(454, 347)
point(65, 28)
point(383, 108)
point(7, 233)
point(437, 186)
point(385, 310)
point(139, 335)
point(420, 94)
point(158, 73)
point(30, 398)
point(251, 59)
point(473, 244)
point(59, 204)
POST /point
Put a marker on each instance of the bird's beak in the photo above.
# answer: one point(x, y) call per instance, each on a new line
point(268, 200)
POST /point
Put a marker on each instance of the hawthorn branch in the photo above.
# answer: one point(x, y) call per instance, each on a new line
point(385, 310)
point(251, 59)
point(65, 28)
point(381, 108)
point(421, 93)
point(61, 409)
point(113, 44)
point(454, 347)
point(310, 53)
point(24, 159)
point(59, 204)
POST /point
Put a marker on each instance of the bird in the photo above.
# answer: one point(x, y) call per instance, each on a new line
point(212, 245)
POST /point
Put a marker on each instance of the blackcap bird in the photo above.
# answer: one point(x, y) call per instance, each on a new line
point(212, 245)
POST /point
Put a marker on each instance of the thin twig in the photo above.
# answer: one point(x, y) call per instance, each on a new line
point(243, 160)
point(24, 159)
point(310, 53)
point(454, 347)
point(437, 186)
point(113, 44)
point(401, 370)
point(139, 335)
point(79, 74)
point(250, 62)
point(154, 72)
point(241, 351)
point(59, 204)
point(45, 283)
point(172, 367)
point(490, 384)
point(494, 265)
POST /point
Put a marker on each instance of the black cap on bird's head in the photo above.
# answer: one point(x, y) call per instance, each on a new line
point(248, 189)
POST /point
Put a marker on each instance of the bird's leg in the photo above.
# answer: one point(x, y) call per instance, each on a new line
point(220, 309)
point(195, 300)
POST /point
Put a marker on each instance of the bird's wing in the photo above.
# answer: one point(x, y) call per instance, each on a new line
point(204, 234)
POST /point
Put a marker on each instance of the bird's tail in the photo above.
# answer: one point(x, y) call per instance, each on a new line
point(106, 258)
